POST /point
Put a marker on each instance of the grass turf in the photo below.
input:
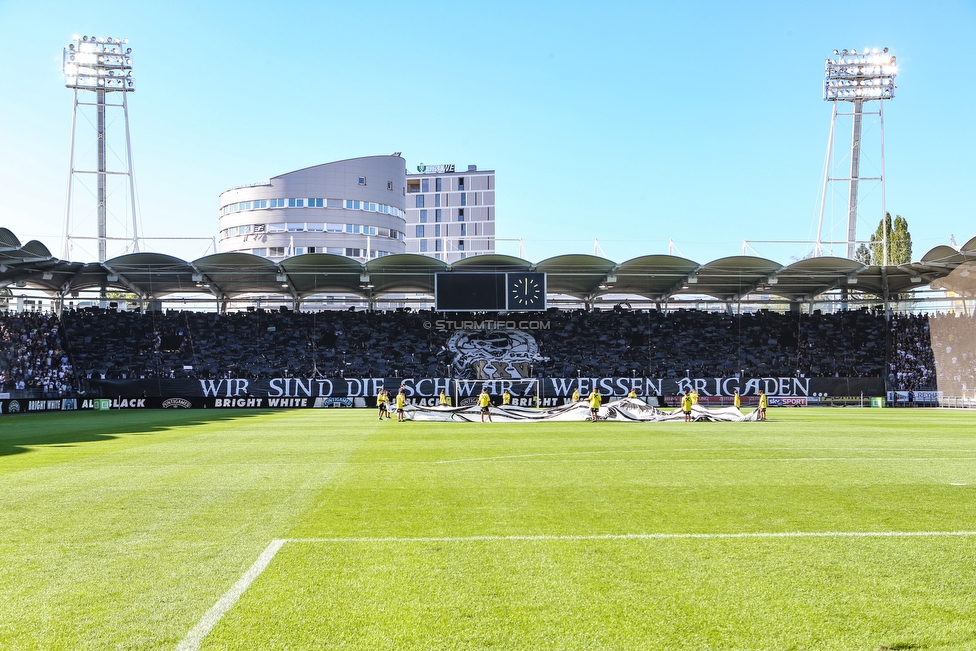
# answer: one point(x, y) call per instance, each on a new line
point(119, 530)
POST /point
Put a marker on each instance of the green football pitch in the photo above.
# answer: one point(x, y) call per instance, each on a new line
point(325, 529)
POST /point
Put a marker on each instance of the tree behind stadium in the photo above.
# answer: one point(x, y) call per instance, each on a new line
point(899, 242)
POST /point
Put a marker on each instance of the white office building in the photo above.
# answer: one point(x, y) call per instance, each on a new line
point(353, 207)
point(450, 215)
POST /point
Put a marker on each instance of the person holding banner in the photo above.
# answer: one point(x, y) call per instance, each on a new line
point(445, 400)
point(595, 400)
point(686, 403)
point(484, 401)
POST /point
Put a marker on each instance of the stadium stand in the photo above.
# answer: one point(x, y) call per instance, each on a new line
point(953, 343)
point(39, 354)
point(254, 345)
point(32, 357)
point(710, 344)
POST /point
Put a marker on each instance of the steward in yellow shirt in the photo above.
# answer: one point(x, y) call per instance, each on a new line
point(595, 400)
point(484, 401)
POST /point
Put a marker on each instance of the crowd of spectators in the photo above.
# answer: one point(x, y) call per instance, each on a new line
point(912, 351)
point(32, 357)
point(911, 365)
point(712, 344)
point(954, 347)
point(397, 344)
point(253, 345)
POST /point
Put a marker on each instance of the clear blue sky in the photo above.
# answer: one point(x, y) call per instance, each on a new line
point(635, 123)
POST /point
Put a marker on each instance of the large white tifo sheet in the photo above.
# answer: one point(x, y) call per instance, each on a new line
point(623, 410)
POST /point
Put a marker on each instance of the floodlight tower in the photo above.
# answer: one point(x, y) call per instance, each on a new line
point(856, 78)
point(100, 66)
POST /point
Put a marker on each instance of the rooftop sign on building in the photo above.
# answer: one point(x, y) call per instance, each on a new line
point(435, 169)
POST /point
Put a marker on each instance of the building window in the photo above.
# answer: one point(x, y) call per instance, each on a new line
point(464, 198)
point(311, 249)
point(420, 230)
point(423, 216)
point(362, 180)
point(413, 186)
point(296, 228)
point(460, 245)
point(425, 185)
point(437, 185)
point(389, 185)
point(420, 201)
point(276, 203)
point(464, 255)
point(437, 215)
point(460, 184)
point(334, 250)
point(437, 245)
point(352, 228)
point(314, 228)
point(464, 229)
point(299, 250)
point(423, 246)
point(437, 199)
point(314, 203)
point(261, 252)
point(353, 253)
point(437, 230)
point(334, 228)
point(277, 228)
point(460, 214)
point(276, 251)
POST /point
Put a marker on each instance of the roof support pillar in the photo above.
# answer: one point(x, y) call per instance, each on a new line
point(885, 295)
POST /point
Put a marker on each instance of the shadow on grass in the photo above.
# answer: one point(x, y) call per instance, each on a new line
point(18, 434)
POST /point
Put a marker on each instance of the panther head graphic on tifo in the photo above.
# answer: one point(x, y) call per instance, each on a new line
point(492, 354)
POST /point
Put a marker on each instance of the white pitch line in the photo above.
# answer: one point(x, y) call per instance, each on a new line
point(702, 460)
point(195, 637)
point(642, 536)
point(206, 624)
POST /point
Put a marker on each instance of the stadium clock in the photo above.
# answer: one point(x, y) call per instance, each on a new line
point(526, 291)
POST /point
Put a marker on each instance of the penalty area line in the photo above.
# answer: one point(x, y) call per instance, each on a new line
point(195, 637)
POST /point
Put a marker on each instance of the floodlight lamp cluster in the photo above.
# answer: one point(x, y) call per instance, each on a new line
point(850, 76)
point(98, 63)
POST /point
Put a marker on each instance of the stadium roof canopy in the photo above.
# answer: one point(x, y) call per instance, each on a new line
point(655, 277)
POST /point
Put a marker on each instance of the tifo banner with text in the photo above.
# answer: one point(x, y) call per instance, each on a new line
point(426, 389)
